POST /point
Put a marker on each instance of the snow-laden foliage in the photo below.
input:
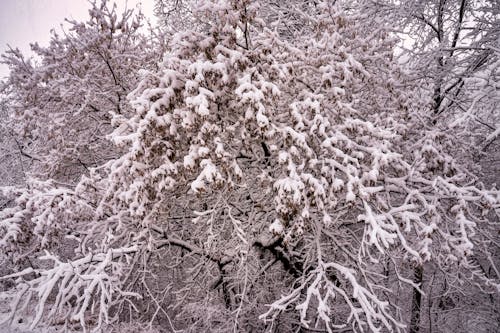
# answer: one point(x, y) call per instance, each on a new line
point(266, 183)
point(63, 100)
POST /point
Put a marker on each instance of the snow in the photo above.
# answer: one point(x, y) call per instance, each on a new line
point(209, 174)
point(304, 160)
point(276, 227)
point(201, 102)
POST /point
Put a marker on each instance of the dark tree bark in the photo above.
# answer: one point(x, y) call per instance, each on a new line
point(416, 301)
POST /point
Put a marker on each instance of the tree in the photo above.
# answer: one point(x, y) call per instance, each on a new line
point(14, 161)
point(451, 50)
point(262, 177)
point(64, 105)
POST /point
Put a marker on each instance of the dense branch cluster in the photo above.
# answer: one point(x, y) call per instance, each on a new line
point(68, 100)
point(260, 178)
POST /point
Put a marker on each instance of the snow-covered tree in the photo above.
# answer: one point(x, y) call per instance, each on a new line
point(63, 101)
point(452, 48)
point(263, 177)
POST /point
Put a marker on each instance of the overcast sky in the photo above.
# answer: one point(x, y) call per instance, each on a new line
point(26, 21)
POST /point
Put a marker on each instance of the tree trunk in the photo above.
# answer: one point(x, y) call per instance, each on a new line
point(416, 301)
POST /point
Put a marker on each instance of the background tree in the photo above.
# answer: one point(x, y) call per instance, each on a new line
point(452, 47)
point(451, 50)
point(58, 107)
point(64, 102)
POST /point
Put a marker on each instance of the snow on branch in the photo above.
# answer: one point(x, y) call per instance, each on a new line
point(78, 289)
point(318, 291)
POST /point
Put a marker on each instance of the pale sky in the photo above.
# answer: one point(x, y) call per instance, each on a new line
point(26, 21)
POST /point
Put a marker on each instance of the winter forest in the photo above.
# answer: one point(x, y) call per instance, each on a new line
point(255, 166)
